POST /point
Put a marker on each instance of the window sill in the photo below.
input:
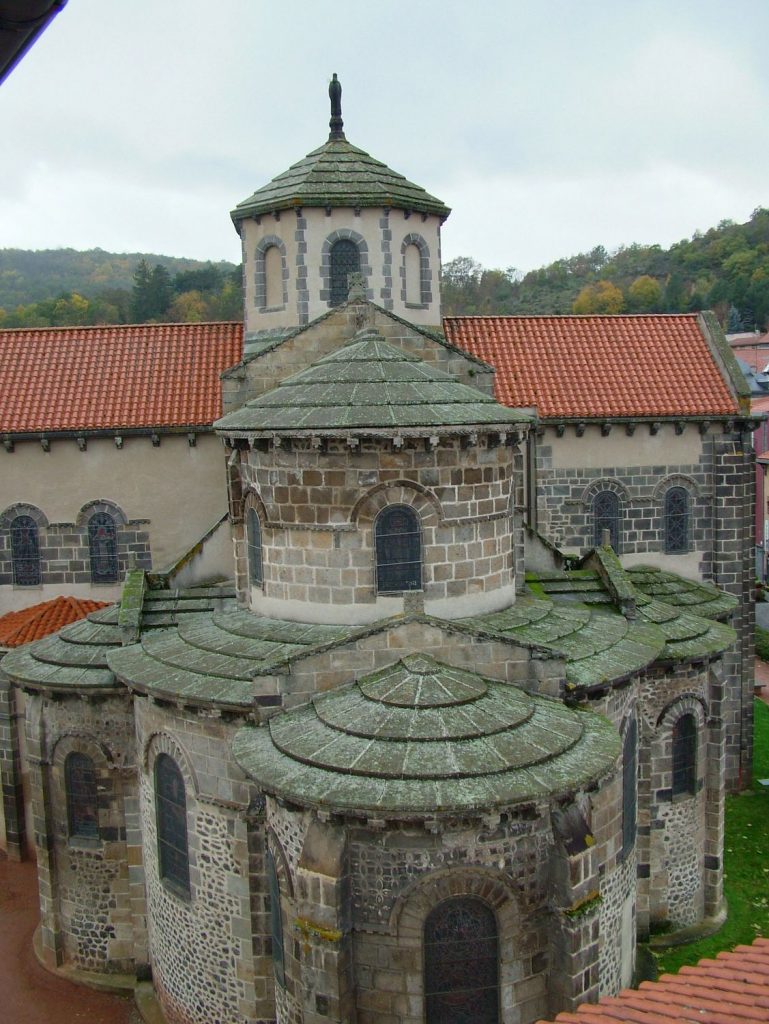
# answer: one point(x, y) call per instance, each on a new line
point(417, 305)
point(185, 895)
point(85, 843)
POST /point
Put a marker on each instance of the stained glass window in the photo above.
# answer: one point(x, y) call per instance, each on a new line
point(461, 963)
point(345, 260)
point(684, 755)
point(25, 552)
point(676, 520)
point(606, 517)
point(398, 550)
point(254, 538)
point(102, 548)
point(82, 804)
point(276, 921)
point(171, 809)
point(629, 783)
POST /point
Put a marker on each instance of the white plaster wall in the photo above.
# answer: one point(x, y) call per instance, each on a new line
point(181, 491)
point(642, 449)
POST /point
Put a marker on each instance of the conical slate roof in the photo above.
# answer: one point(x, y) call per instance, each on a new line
point(368, 384)
point(339, 174)
point(421, 737)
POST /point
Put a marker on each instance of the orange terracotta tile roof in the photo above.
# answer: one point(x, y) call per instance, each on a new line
point(39, 620)
point(96, 378)
point(598, 366)
point(732, 989)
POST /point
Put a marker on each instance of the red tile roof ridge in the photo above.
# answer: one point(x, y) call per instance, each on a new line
point(117, 327)
point(707, 1009)
point(633, 1009)
point(634, 365)
point(39, 620)
point(114, 376)
point(698, 983)
point(569, 316)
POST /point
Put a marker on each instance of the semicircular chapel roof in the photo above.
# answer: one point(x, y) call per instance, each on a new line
point(369, 384)
point(339, 174)
point(421, 737)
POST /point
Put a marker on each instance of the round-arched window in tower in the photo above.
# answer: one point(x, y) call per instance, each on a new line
point(398, 550)
point(461, 963)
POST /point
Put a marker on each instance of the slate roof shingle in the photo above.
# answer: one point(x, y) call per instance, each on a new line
point(111, 377)
point(40, 620)
point(598, 366)
point(731, 989)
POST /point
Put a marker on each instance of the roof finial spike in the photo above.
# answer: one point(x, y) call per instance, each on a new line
point(336, 124)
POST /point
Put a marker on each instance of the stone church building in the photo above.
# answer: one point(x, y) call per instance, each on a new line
point(417, 763)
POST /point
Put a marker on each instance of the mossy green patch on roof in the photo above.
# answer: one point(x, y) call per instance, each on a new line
point(339, 174)
point(420, 737)
point(369, 384)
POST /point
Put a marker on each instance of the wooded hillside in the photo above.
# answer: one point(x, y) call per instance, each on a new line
point(725, 269)
point(64, 287)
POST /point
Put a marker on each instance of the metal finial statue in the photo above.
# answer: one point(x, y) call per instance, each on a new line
point(336, 124)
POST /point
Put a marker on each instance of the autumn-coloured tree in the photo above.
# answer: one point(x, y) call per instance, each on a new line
point(601, 297)
point(644, 295)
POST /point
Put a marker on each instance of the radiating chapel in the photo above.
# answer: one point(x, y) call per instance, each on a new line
point(414, 764)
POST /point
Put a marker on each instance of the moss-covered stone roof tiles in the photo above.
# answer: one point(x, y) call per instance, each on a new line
point(420, 737)
point(369, 384)
point(339, 174)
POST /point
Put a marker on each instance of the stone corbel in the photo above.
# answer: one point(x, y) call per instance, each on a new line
point(118, 441)
point(704, 427)
point(8, 443)
point(680, 427)
point(654, 428)
point(560, 429)
point(579, 429)
point(155, 438)
point(605, 429)
point(630, 428)
point(45, 444)
point(82, 443)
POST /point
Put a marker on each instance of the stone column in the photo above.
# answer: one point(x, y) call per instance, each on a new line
point(323, 922)
point(10, 772)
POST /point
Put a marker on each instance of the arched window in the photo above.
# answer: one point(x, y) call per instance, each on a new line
point(102, 548)
point(461, 963)
point(82, 800)
point(629, 784)
point(398, 550)
point(25, 552)
point(276, 921)
point(685, 755)
point(676, 520)
point(254, 539)
point(606, 517)
point(412, 265)
point(273, 277)
point(344, 259)
point(171, 811)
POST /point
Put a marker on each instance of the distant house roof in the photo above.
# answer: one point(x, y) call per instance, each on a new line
point(599, 366)
point(752, 349)
point(17, 628)
point(121, 376)
point(732, 989)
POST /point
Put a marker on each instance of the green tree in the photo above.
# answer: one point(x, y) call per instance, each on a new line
point(644, 295)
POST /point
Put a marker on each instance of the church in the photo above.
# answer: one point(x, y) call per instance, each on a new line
point(436, 753)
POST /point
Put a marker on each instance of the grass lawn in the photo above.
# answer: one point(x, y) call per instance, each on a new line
point(746, 863)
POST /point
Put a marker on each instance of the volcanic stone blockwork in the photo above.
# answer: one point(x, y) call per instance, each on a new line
point(366, 427)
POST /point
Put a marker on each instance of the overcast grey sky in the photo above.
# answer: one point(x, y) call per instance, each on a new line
point(549, 127)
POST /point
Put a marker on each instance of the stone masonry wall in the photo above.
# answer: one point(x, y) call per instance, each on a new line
point(91, 909)
point(202, 946)
point(266, 371)
point(318, 509)
point(340, 666)
point(717, 469)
